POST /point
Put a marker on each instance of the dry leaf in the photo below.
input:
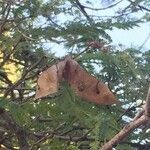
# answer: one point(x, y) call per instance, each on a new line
point(84, 84)
point(87, 86)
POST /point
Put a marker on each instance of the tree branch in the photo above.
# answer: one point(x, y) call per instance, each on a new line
point(11, 125)
point(137, 121)
point(81, 7)
point(147, 106)
point(7, 9)
point(124, 132)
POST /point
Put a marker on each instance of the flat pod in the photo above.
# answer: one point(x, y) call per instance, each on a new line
point(84, 85)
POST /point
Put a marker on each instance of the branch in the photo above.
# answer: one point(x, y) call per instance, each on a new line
point(15, 128)
point(97, 9)
point(141, 7)
point(81, 7)
point(140, 119)
point(124, 132)
point(147, 107)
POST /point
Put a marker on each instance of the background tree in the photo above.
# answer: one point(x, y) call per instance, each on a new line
point(28, 30)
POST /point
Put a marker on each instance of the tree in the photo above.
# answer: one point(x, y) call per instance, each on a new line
point(63, 120)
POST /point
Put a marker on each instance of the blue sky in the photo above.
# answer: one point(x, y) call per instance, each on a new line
point(129, 38)
point(134, 37)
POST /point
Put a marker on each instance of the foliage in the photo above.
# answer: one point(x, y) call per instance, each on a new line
point(62, 120)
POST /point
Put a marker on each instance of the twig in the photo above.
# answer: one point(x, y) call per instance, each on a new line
point(49, 135)
point(138, 115)
point(97, 9)
point(41, 119)
point(24, 100)
point(86, 49)
point(27, 37)
point(22, 78)
point(74, 139)
point(5, 19)
point(5, 78)
point(83, 137)
point(8, 146)
point(138, 145)
point(142, 7)
point(145, 41)
point(7, 56)
point(74, 128)
point(125, 112)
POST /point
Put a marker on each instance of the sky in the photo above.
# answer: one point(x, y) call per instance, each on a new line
point(133, 37)
point(129, 38)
